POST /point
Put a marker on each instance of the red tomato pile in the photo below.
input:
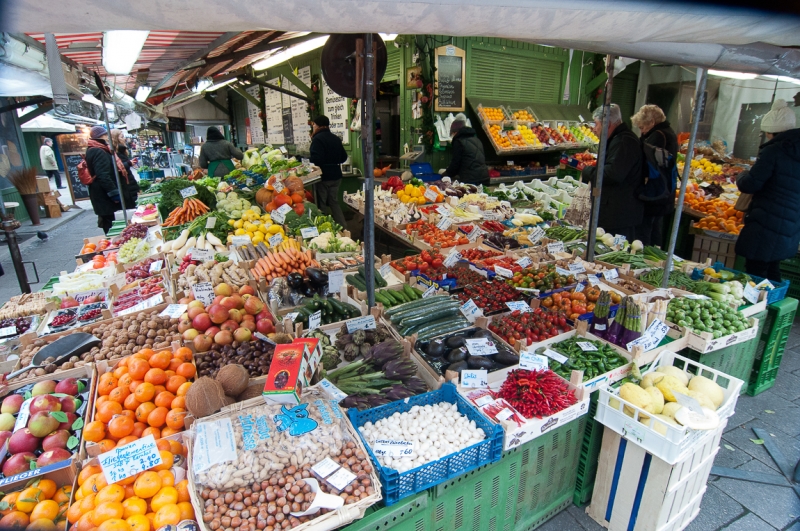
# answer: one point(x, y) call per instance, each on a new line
point(434, 236)
point(574, 304)
point(490, 296)
point(503, 261)
point(478, 254)
point(423, 263)
point(535, 326)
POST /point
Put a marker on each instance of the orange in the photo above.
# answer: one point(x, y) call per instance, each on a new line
point(47, 486)
point(43, 524)
point(167, 431)
point(134, 505)
point(110, 493)
point(107, 511)
point(175, 447)
point(100, 400)
point(155, 376)
point(174, 363)
point(62, 495)
point(138, 428)
point(107, 384)
point(120, 371)
point(114, 524)
point(28, 499)
point(135, 384)
point(164, 399)
point(47, 509)
point(169, 374)
point(167, 460)
point(107, 410)
point(184, 353)
point(183, 389)
point(16, 520)
point(147, 485)
point(157, 417)
point(187, 511)
point(137, 368)
point(178, 403)
point(130, 402)
point(145, 392)
point(85, 522)
point(106, 445)
point(10, 500)
point(120, 426)
point(160, 360)
point(150, 430)
point(87, 504)
point(168, 514)
point(163, 444)
point(160, 389)
point(127, 440)
point(128, 413)
point(144, 410)
point(167, 478)
point(129, 493)
point(119, 394)
point(183, 491)
point(187, 370)
point(138, 522)
point(175, 418)
point(165, 496)
point(74, 512)
point(175, 382)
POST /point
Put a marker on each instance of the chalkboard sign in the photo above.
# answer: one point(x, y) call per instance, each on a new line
point(176, 125)
point(288, 130)
point(79, 191)
point(450, 69)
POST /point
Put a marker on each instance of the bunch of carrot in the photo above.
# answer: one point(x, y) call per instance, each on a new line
point(280, 264)
point(191, 209)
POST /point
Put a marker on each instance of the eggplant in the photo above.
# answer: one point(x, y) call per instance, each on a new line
point(480, 362)
point(316, 276)
point(458, 367)
point(436, 349)
point(504, 357)
point(458, 354)
point(295, 280)
point(455, 342)
point(309, 290)
point(482, 333)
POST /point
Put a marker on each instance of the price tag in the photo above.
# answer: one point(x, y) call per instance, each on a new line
point(481, 346)
point(482, 401)
point(705, 184)
point(563, 272)
point(577, 267)
point(278, 186)
point(430, 195)
point(452, 258)
point(581, 118)
point(504, 414)
point(204, 292)
point(240, 240)
point(325, 468)
point(314, 320)
point(283, 150)
point(474, 378)
point(125, 461)
point(201, 255)
point(491, 215)
point(476, 233)
point(619, 240)
point(579, 288)
point(335, 279)
point(386, 270)
point(275, 240)
point(593, 280)
point(633, 431)
point(430, 291)
point(8, 331)
point(341, 478)
point(188, 192)
point(532, 362)
point(443, 210)
point(279, 215)
point(83, 296)
point(262, 337)
point(248, 181)
point(173, 311)
point(23, 415)
point(751, 293)
point(210, 222)
point(688, 401)
point(471, 311)
point(156, 266)
point(444, 223)
point(611, 274)
point(765, 284)
point(387, 447)
point(309, 232)
point(360, 323)
point(651, 337)
point(214, 443)
point(553, 355)
point(536, 234)
point(557, 247)
point(333, 392)
point(521, 306)
point(292, 316)
point(503, 272)
point(586, 346)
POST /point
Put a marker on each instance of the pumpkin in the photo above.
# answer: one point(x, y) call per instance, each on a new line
point(263, 196)
point(296, 198)
point(271, 183)
point(269, 207)
point(294, 184)
point(282, 199)
point(299, 209)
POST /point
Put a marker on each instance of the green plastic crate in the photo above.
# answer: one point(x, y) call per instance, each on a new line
point(116, 228)
point(771, 343)
point(49, 284)
point(735, 360)
point(790, 270)
point(590, 454)
point(409, 514)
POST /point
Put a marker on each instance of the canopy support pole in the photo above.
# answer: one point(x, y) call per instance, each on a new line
point(601, 159)
point(699, 103)
point(367, 142)
point(113, 154)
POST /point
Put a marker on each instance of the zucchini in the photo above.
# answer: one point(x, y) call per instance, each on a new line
point(410, 292)
point(356, 282)
point(385, 300)
point(430, 316)
point(397, 296)
point(379, 280)
point(423, 310)
point(418, 303)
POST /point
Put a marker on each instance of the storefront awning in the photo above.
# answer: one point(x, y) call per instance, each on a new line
point(47, 124)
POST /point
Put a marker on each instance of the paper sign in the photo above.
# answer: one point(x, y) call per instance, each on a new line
point(314, 320)
point(23, 415)
point(586, 346)
point(471, 310)
point(386, 270)
point(619, 240)
point(279, 215)
point(8, 331)
point(173, 311)
point(633, 432)
point(577, 267)
point(765, 284)
point(651, 337)
point(751, 293)
point(524, 262)
point(537, 234)
point(204, 292)
point(687, 401)
point(125, 461)
point(387, 447)
point(275, 240)
point(325, 468)
point(504, 414)
point(503, 272)
point(563, 272)
point(156, 266)
point(482, 401)
point(532, 362)
point(705, 184)
point(83, 295)
point(278, 186)
point(509, 163)
point(430, 291)
point(262, 337)
point(579, 288)
point(474, 378)
point(443, 210)
point(452, 258)
point(332, 391)
point(481, 346)
point(360, 323)
point(476, 233)
point(611, 274)
point(292, 316)
point(201, 255)
point(214, 443)
point(552, 354)
point(210, 222)
point(335, 279)
point(444, 223)
point(341, 478)
point(557, 247)
point(521, 306)
point(188, 192)
point(309, 232)
point(238, 241)
point(283, 150)
point(593, 280)
point(431, 195)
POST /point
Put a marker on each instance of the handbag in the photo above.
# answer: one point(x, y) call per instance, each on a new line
point(743, 202)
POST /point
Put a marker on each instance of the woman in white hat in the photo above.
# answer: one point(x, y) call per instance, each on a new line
point(771, 230)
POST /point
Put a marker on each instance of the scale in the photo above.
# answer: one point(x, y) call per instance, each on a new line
point(415, 153)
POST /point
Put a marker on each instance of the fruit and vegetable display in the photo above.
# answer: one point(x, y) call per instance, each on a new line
point(14, 326)
point(331, 310)
point(451, 353)
point(228, 272)
point(490, 296)
point(24, 305)
point(629, 323)
point(592, 357)
point(328, 242)
point(359, 279)
point(532, 327)
point(391, 297)
point(425, 262)
point(133, 250)
point(253, 356)
point(434, 236)
point(706, 315)
point(45, 506)
point(544, 278)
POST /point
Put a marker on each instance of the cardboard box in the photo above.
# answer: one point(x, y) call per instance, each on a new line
point(53, 211)
point(42, 184)
point(288, 374)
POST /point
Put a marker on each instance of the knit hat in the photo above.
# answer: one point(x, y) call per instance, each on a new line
point(322, 121)
point(98, 131)
point(460, 117)
point(781, 118)
point(214, 134)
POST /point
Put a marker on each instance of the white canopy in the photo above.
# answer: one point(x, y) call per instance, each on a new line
point(47, 124)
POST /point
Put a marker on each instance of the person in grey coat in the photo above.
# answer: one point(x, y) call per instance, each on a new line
point(216, 154)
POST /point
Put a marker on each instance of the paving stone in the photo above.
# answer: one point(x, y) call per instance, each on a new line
point(716, 510)
point(583, 519)
point(757, 407)
point(790, 361)
point(731, 458)
point(787, 385)
point(741, 439)
point(560, 522)
point(749, 522)
point(794, 527)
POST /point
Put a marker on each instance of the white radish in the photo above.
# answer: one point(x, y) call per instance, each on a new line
point(180, 241)
point(213, 239)
point(201, 241)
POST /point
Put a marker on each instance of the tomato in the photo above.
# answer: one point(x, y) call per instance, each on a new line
point(578, 296)
point(557, 298)
point(423, 267)
point(437, 262)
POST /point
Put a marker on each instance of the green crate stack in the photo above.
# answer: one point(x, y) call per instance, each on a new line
point(116, 228)
point(771, 342)
point(590, 453)
point(736, 360)
point(409, 514)
point(568, 171)
point(790, 270)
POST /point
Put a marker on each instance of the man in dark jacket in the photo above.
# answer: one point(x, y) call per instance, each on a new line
point(468, 163)
point(103, 191)
point(216, 154)
point(620, 210)
point(771, 230)
point(328, 153)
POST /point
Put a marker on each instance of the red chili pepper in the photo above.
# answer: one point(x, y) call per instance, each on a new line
point(536, 393)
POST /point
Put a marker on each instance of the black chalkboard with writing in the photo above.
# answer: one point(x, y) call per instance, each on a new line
point(449, 79)
point(79, 191)
point(288, 130)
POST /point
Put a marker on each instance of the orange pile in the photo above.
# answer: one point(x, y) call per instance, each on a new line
point(40, 506)
point(143, 395)
point(99, 261)
point(499, 136)
point(143, 502)
point(720, 215)
point(102, 245)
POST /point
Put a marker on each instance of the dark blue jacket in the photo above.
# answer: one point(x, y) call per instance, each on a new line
point(328, 153)
point(772, 225)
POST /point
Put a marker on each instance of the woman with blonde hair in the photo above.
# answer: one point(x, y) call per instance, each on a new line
point(658, 202)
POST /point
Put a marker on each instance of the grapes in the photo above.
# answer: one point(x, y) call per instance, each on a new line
point(135, 249)
point(134, 230)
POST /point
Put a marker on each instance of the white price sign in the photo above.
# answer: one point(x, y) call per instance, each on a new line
point(341, 478)
point(431, 195)
point(532, 362)
point(452, 258)
point(476, 233)
point(279, 215)
point(278, 186)
point(611, 274)
point(524, 262)
point(335, 279)
point(651, 337)
point(8, 331)
point(593, 280)
point(275, 240)
point(188, 192)
point(503, 272)
point(586, 346)
point(471, 310)
point(619, 240)
point(474, 378)
point(557, 247)
point(688, 401)
point(360, 323)
point(156, 266)
point(563, 272)
point(314, 320)
point(309, 232)
point(521, 306)
point(536, 234)
point(579, 288)
point(430, 291)
point(125, 461)
point(173, 311)
point(387, 447)
point(443, 210)
point(204, 292)
point(553, 355)
point(201, 255)
point(210, 222)
point(238, 241)
point(386, 270)
point(751, 293)
point(444, 223)
point(482, 346)
point(577, 267)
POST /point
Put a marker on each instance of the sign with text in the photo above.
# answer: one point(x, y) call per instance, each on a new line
point(128, 460)
point(474, 378)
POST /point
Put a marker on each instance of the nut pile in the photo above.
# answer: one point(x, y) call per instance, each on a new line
point(255, 356)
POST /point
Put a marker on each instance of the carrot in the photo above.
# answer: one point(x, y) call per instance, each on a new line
point(263, 265)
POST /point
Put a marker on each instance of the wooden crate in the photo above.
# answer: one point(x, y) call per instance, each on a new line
point(717, 249)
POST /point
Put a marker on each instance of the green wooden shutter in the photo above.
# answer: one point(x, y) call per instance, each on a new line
point(498, 75)
point(393, 60)
point(623, 93)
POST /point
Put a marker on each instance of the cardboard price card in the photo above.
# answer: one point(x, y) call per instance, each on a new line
point(444, 223)
point(173, 311)
point(452, 258)
point(503, 272)
point(360, 323)
point(521, 306)
point(335, 279)
point(536, 234)
point(387, 447)
point(577, 267)
point(431, 195)
point(474, 378)
point(481, 346)
point(279, 215)
point(611, 274)
point(471, 310)
point(557, 247)
point(188, 192)
point(651, 337)
point(524, 262)
point(553, 355)
point(309, 232)
point(532, 362)
point(204, 292)
point(126, 461)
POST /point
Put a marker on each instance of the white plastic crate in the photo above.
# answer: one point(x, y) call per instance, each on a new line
point(677, 441)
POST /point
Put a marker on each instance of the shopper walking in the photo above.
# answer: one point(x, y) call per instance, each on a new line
point(621, 211)
point(216, 154)
point(48, 159)
point(656, 133)
point(771, 230)
point(120, 145)
point(328, 153)
point(103, 191)
point(468, 162)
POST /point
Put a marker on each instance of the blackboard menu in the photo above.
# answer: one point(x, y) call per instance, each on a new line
point(450, 78)
point(78, 190)
point(288, 130)
point(176, 125)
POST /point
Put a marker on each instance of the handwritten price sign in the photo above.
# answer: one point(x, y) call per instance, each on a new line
point(126, 461)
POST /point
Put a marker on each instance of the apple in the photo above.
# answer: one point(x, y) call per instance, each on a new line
point(45, 403)
point(265, 326)
point(184, 325)
point(23, 441)
point(69, 386)
point(211, 332)
point(12, 404)
point(217, 299)
point(7, 421)
point(57, 439)
point(239, 300)
point(247, 290)
point(264, 314)
point(236, 315)
point(71, 418)
point(42, 424)
point(195, 304)
point(70, 404)
point(201, 322)
point(228, 302)
point(202, 343)
point(253, 305)
point(242, 334)
point(190, 334)
point(69, 302)
point(195, 311)
point(218, 313)
point(53, 456)
point(248, 317)
point(44, 388)
point(185, 300)
point(18, 463)
point(223, 289)
point(229, 325)
point(249, 324)
point(4, 436)
point(223, 337)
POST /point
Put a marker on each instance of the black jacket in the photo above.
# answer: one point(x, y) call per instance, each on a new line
point(328, 153)
point(619, 206)
point(103, 191)
point(662, 136)
point(132, 188)
point(772, 225)
point(469, 161)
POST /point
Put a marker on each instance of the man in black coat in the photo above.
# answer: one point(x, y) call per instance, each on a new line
point(468, 162)
point(771, 230)
point(328, 153)
point(620, 209)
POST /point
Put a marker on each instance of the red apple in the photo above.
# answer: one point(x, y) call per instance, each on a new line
point(211, 332)
point(185, 300)
point(190, 334)
point(239, 300)
point(248, 317)
point(223, 337)
point(201, 322)
point(194, 304)
point(45, 403)
point(228, 302)
point(249, 324)
point(184, 325)
point(195, 311)
point(57, 439)
point(69, 404)
point(18, 463)
point(202, 343)
point(253, 305)
point(264, 314)
point(217, 299)
point(11, 404)
point(71, 418)
point(265, 326)
point(218, 313)
point(53, 456)
point(229, 325)
point(247, 290)
point(223, 289)
point(4, 436)
point(242, 334)
point(69, 386)
point(236, 315)
point(23, 441)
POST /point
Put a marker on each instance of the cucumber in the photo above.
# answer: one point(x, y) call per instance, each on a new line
point(410, 293)
point(383, 299)
point(417, 304)
point(445, 323)
point(417, 311)
point(398, 296)
point(356, 282)
point(379, 280)
point(430, 316)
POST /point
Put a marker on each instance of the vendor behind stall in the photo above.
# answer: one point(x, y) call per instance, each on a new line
point(468, 164)
point(216, 154)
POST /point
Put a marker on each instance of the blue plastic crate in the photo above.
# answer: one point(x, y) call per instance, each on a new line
point(424, 171)
point(773, 296)
point(395, 485)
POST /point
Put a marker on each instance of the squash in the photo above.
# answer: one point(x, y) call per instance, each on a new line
point(263, 196)
point(294, 184)
point(269, 207)
point(296, 198)
point(282, 199)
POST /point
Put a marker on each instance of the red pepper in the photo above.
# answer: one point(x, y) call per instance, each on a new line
point(536, 393)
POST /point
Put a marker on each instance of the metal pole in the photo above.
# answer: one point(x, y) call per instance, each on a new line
point(699, 102)
point(113, 156)
point(367, 141)
point(16, 257)
point(601, 159)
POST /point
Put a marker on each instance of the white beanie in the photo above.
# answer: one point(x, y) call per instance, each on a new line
point(781, 118)
point(460, 118)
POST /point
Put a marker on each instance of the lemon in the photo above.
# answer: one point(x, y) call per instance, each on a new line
point(274, 229)
point(238, 224)
point(262, 229)
point(232, 223)
point(251, 234)
point(258, 237)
